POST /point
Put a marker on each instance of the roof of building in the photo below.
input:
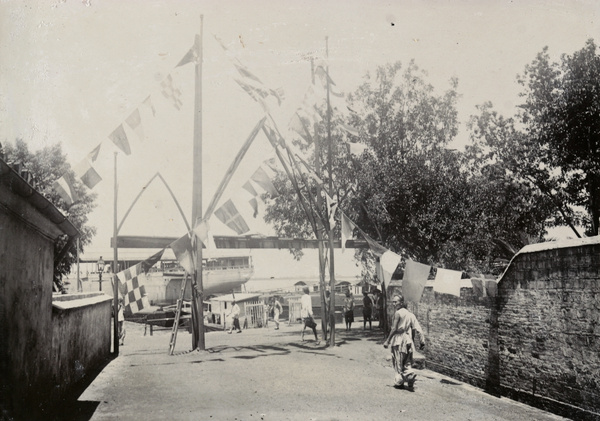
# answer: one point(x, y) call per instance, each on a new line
point(19, 186)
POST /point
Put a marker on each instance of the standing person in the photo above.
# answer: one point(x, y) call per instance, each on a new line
point(348, 309)
point(379, 307)
point(277, 310)
point(401, 340)
point(367, 310)
point(306, 312)
point(235, 318)
point(121, 322)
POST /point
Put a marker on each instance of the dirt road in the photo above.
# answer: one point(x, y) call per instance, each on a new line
point(267, 374)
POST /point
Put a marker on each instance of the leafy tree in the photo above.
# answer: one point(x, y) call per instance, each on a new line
point(561, 120)
point(46, 166)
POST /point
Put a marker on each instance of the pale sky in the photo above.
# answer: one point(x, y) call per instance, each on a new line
point(72, 71)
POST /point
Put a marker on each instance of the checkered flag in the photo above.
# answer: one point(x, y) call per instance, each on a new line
point(130, 285)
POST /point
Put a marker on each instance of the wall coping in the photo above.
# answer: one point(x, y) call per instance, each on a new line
point(552, 245)
point(71, 301)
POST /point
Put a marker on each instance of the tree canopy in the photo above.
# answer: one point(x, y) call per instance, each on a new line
point(46, 166)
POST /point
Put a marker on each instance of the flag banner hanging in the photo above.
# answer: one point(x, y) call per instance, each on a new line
point(135, 122)
point(202, 231)
point(491, 287)
point(64, 187)
point(349, 129)
point(254, 203)
point(374, 246)
point(229, 215)
point(93, 155)
point(447, 281)
point(249, 188)
point(321, 72)
point(478, 288)
point(261, 178)
point(331, 208)
point(389, 261)
point(134, 291)
point(119, 138)
point(243, 70)
point(182, 249)
point(297, 125)
point(258, 94)
point(414, 280)
point(87, 174)
point(356, 148)
point(171, 93)
point(271, 163)
point(191, 56)
point(148, 103)
point(347, 230)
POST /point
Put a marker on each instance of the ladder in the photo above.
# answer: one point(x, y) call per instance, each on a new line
point(177, 314)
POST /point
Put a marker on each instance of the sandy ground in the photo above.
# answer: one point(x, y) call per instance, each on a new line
point(267, 374)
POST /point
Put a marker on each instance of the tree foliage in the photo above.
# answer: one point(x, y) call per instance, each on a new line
point(551, 147)
point(46, 166)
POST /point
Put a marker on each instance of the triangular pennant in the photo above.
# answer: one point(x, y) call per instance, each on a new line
point(119, 138)
point(93, 155)
point(389, 262)
point(261, 178)
point(414, 280)
point(347, 230)
point(64, 187)
point(182, 249)
point(87, 174)
point(191, 56)
point(202, 231)
point(135, 122)
point(147, 264)
point(249, 188)
point(331, 208)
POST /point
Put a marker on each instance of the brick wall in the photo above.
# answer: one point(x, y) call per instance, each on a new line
point(548, 315)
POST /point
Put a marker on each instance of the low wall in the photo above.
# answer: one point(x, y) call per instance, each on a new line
point(81, 338)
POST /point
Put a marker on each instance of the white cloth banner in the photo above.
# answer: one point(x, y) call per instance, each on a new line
point(414, 280)
point(447, 281)
point(389, 262)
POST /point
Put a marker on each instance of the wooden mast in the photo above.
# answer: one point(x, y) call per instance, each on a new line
point(198, 341)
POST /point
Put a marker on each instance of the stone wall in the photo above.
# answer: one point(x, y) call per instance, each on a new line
point(81, 339)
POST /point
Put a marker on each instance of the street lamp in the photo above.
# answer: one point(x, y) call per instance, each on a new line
point(100, 270)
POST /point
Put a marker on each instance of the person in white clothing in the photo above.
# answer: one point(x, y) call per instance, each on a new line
point(401, 340)
point(277, 310)
point(306, 312)
point(234, 315)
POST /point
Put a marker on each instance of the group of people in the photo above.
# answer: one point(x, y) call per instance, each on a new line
point(401, 337)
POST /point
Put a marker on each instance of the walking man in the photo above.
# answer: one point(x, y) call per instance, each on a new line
point(401, 340)
point(277, 310)
point(306, 312)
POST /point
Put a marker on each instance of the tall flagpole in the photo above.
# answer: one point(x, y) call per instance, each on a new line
point(115, 271)
point(198, 341)
point(329, 169)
